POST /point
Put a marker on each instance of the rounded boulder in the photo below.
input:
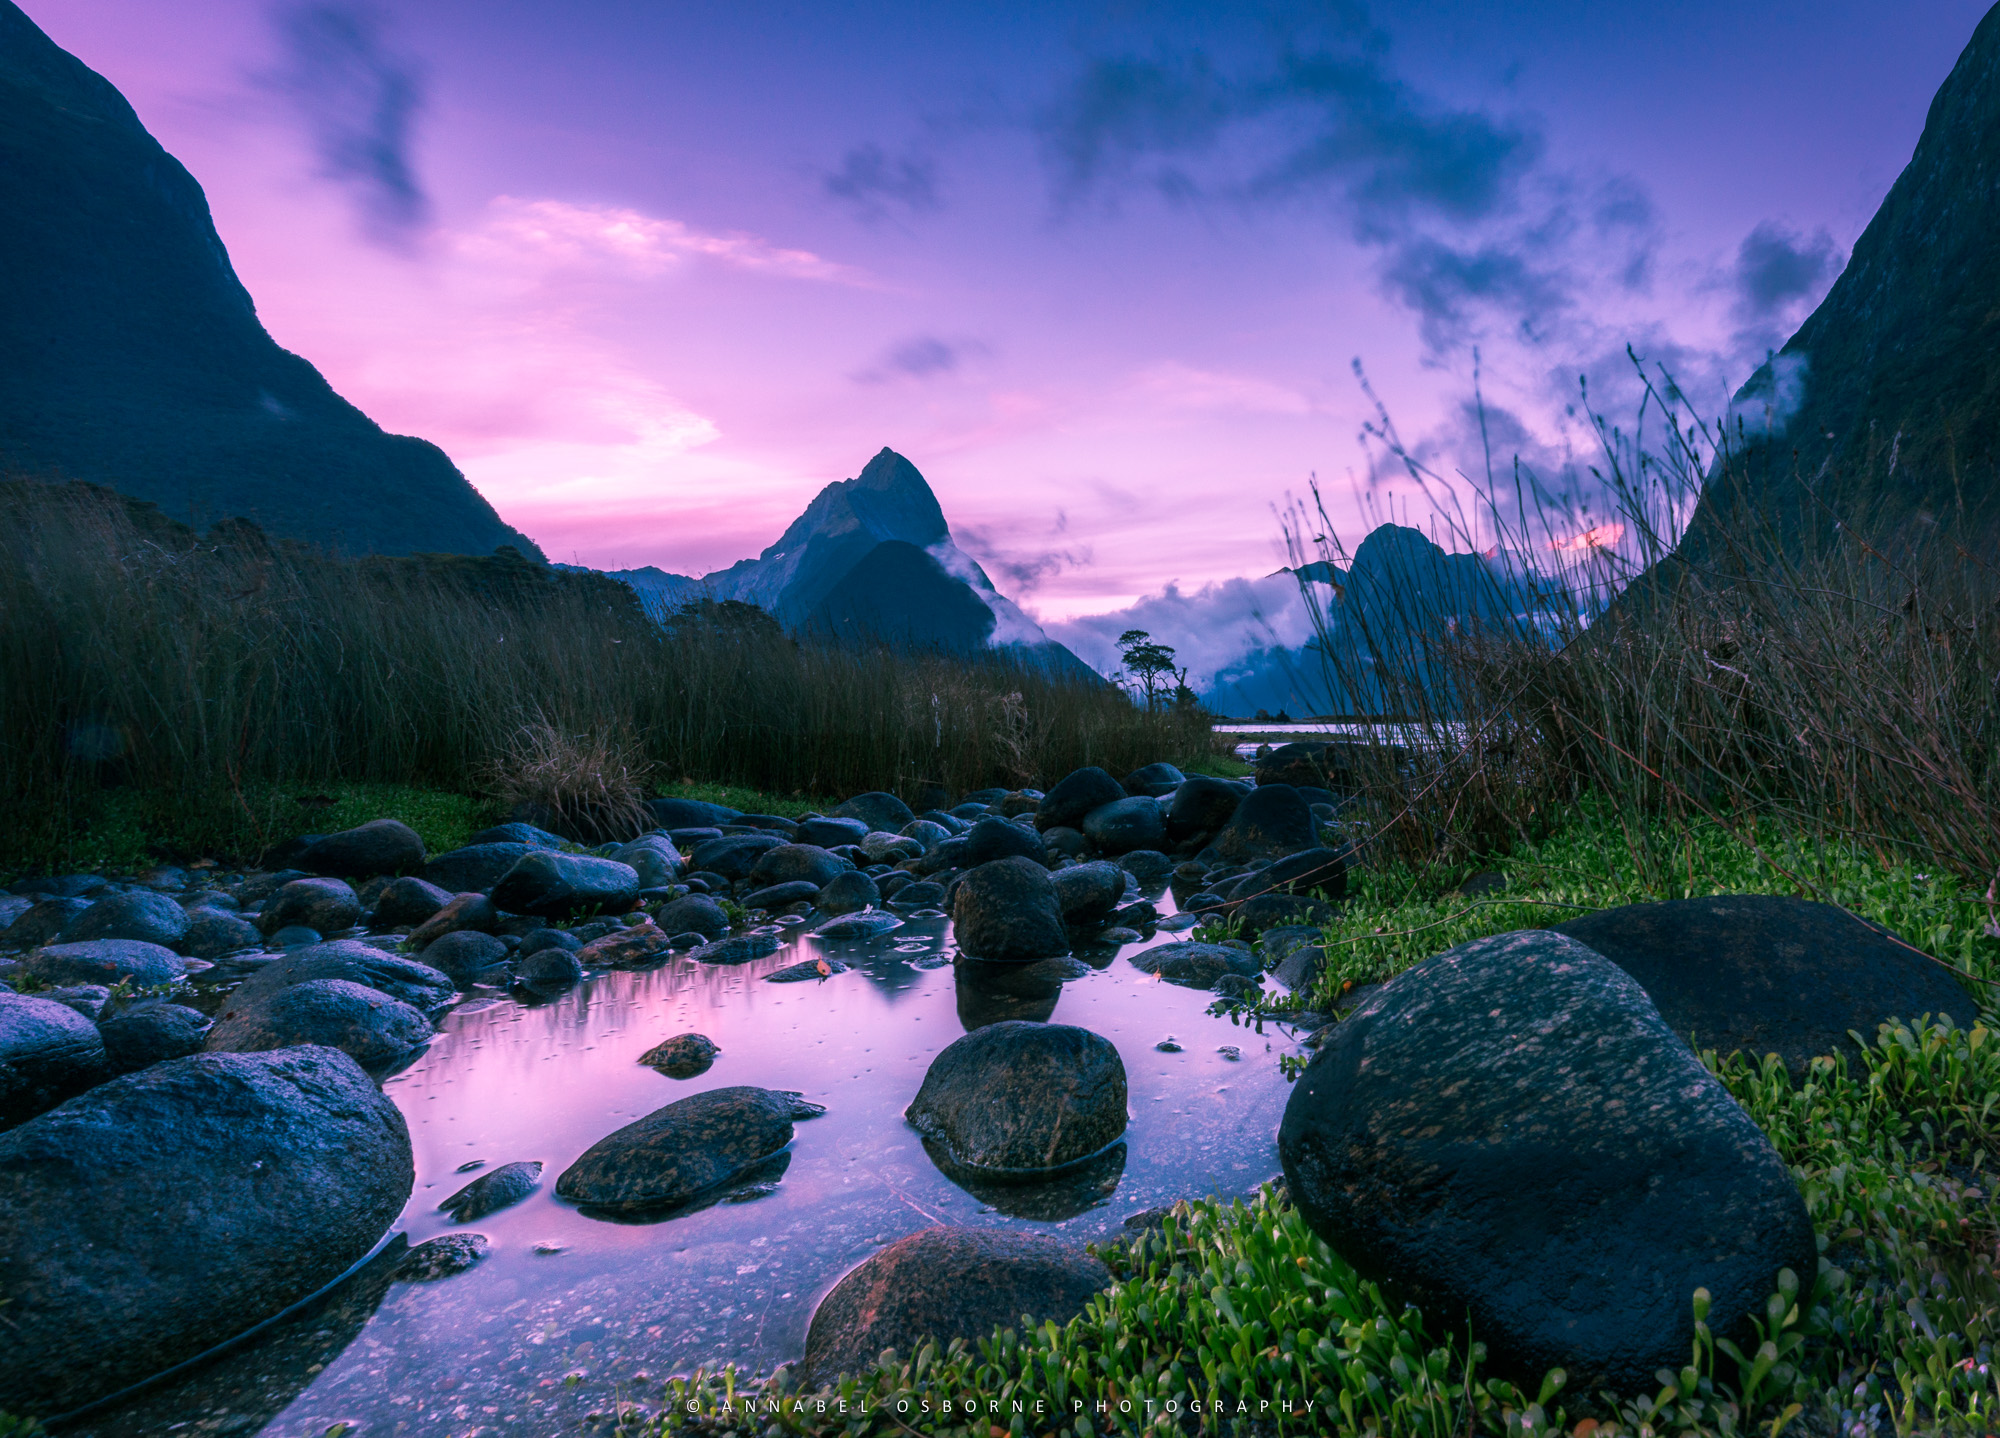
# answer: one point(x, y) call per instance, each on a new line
point(796, 864)
point(1076, 794)
point(323, 905)
point(686, 1151)
point(373, 1029)
point(1022, 1099)
point(141, 914)
point(549, 885)
point(1126, 824)
point(1009, 910)
point(48, 1052)
point(944, 1283)
point(221, 1188)
point(1455, 1135)
point(381, 846)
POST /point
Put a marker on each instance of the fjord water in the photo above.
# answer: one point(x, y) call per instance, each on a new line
point(571, 1314)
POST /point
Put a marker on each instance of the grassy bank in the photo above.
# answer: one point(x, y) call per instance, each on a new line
point(185, 688)
point(1242, 1302)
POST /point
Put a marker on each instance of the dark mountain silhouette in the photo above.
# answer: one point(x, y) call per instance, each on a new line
point(872, 560)
point(134, 357)
point(1400, 586)
point(1897, 427)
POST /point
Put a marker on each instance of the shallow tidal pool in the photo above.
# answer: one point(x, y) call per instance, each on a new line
point(570, 1315)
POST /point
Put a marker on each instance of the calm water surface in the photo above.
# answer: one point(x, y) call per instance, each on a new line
point(570, 1315)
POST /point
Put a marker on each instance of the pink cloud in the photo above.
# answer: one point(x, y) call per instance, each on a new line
point(553, 234)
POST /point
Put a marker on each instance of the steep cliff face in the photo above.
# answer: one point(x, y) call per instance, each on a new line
point(1897, 374)
point(134, 356)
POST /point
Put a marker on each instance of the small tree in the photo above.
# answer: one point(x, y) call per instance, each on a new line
point(1146, 660)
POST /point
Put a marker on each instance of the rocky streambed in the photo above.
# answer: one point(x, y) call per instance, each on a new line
point(495, 1140)
point(537, 1272)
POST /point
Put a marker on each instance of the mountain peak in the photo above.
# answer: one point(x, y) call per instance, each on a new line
point(151, 374)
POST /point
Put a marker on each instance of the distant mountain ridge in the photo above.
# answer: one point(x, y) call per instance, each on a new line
point(1399, 583)
point(134, 356)
point(872, 558)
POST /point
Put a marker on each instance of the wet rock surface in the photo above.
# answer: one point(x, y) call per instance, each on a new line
point(560, 886)
point(324, 905)
point(151, 1033)
point(686, 1151)
point(148, 917)
point(442, 1257)
point(1764, 974)
point(683, 1056)
point(1507, 1122)
point(1197, 966)
point(105, 961)
point(1023, 1098)
point(281, 1170)
point(1009, 909)
point(491, 1192)
point(416, 984)
point(48, 1052)
point(373, 1029)
point(381, 846)
point(945, 1283)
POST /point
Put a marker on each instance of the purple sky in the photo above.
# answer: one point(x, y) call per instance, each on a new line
point(652, 273)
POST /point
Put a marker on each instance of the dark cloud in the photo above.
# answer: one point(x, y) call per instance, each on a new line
point(1776, 267)
point(921, 357)
point(359, 103)
point(1443, 284)
point(874, 182)
point(1472, 229)
point(1023, 569)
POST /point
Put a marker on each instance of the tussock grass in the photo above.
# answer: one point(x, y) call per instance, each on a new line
point(145, 669)
point(1804, 677)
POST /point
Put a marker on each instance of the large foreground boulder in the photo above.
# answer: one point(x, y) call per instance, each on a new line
point(48, 1052)
point(691, 1149)
point(1022, 1098)
point(1009, 910)
point(1510, 1130)
point(373, 1029)
point(1767, 974)
point(945, 1283)
point(163, 1212)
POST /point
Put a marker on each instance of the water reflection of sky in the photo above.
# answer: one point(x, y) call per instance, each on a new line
point(570, 1314)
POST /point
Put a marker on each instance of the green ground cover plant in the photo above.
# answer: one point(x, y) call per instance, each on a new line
point(1235, 1301)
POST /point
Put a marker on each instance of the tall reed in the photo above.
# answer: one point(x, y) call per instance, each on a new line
point(1810, 674)
point(136, 653)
